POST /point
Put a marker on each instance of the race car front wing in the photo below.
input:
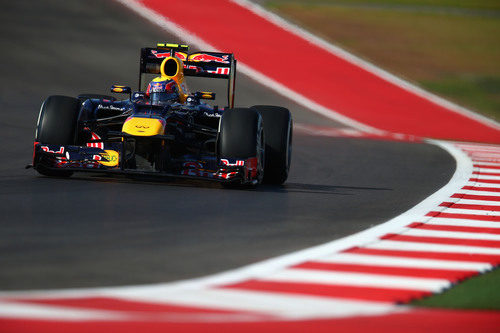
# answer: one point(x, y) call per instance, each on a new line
point(110, 161)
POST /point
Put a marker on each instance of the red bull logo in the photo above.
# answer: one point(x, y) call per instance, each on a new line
point(203, 57)
point(162, 86)
point(48, 150)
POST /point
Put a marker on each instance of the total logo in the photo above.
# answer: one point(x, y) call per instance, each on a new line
point(111, 158)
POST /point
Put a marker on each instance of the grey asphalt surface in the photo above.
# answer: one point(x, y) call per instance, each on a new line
point(100, 231)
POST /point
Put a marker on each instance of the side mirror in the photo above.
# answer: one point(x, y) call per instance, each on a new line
point(204, 95)
point(120, 89)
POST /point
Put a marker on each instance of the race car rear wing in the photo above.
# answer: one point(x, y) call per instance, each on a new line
point(200, 64)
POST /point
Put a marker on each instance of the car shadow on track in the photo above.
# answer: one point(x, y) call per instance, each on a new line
point(316, 188)
point(285, 188)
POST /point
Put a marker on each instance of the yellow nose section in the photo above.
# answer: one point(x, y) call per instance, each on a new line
point(143, 126)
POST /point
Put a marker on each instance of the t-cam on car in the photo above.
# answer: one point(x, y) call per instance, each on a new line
point(165, 130)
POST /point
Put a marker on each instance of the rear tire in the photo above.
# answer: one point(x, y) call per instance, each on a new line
point(278, 127)
point(242, 136)
point(57, 125)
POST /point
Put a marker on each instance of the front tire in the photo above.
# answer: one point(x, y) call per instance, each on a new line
point(278, 126)
point(241, 137)
point(57, 125)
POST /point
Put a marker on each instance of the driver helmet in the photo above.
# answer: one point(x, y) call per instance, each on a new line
point(162, 91)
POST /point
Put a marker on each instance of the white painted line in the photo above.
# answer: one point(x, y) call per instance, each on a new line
point(488, 158)
point(463, 223)
point(481, 184)
point(485, 157)
point(478, 190)
point(488, 163)
point(480, 154)
point(481, 176)
point(486, 153)
point(451, 234)
point(270, 303)
point(495, 161)
point(483, 169)
point(51, 312)
point(474, 145)
point(479, 147)
point(476, 212)
point(484, 203)
point(388, 261)
point(432, 247)
point(297, 275)
point(369, 67)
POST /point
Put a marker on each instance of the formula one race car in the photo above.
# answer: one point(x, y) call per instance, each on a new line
point(166, 130)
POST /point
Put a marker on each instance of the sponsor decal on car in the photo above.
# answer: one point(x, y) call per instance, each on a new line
point(208, 114)
point(48, 150)
point(95, 137)
point(230, 163)
point(108, 158)
point(220, 71)
point(182, 56)
point(204, 57)
point(109, 107)
point(227, 175)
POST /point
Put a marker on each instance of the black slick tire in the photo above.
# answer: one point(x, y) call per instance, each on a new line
point(57, 125)
point(278, 129)
point(241, 137)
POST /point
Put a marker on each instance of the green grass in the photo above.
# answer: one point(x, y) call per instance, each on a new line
point(454, 53)
point(465, 4)
point(482, 94)
point(482, 293)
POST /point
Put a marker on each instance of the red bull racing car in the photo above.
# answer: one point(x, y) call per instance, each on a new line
point(166, 130)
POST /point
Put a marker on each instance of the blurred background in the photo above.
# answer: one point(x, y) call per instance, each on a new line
point(449, 47)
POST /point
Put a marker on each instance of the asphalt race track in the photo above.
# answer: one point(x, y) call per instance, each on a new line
point(101, 231)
